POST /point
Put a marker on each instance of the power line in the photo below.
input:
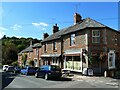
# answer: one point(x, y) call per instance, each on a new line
point(60, 22)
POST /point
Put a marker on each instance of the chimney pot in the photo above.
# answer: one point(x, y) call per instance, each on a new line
point(45, 35)
point(55, 28)
point(77, 18)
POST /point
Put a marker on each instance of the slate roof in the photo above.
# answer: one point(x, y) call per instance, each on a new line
point(88, 22)
point(36, 45)
point(28, 49)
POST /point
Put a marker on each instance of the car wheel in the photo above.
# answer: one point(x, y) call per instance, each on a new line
point(21, 73)
point(36, 75)
point(26, 74)
point(46, 77)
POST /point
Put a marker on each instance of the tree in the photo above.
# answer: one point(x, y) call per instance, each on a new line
point(31, 63)
point(11, 46)
point(24, 59)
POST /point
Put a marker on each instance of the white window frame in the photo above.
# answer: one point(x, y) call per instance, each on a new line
point(95, 36)
point(29, 54)
point(54, 45)
point(72, 39)
point(45, 50)
point(37, 50)
point(111, 54)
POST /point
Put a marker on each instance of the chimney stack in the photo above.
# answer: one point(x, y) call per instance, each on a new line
point(45, 35)
point(55, 28)
point(77, 18)
point(31, 43)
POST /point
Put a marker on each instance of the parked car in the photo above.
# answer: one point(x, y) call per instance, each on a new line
point(10, 69)
point(48, 71)
point(5, 67)
point(17, 69)
point(28, 70)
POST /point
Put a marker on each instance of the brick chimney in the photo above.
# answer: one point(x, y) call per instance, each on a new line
point(31, 43)
point(45, 35)
point(77, 18)
point(55, 28)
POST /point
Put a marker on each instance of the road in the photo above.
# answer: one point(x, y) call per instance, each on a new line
point(10, 80)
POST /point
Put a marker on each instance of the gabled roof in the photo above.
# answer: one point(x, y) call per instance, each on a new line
point(88, 22)
point(36, 45)
point(28, 49)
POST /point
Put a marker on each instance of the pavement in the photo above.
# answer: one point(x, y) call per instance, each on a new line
point(100, 79)
point(77, 77)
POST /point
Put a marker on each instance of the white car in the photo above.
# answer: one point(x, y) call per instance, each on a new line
point(10, 69)
point(5, 67)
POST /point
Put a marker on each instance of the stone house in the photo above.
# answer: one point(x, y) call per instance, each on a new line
point(51, 49)
point(31, 53)
point(37, 54)
point(86, 44)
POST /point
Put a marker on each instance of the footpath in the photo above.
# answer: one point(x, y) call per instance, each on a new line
point(97, 79)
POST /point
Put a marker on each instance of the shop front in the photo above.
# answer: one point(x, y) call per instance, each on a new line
point(51, 59)
point(73, 60)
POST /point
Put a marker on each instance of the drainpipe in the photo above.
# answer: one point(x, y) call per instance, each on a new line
point(72, 64)
point(65, 63)
point(81, 60)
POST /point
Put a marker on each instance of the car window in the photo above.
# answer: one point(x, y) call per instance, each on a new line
point(6, 66)
point(55, 68)
point(11, 68)
point(31, 68)
point(36, 68)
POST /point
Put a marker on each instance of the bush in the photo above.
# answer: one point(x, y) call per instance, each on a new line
point(31, 63)
point(15, 63)
point(117, 73)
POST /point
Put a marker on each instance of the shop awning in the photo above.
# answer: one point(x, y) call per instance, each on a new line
point(50, 55)
point(73, 52)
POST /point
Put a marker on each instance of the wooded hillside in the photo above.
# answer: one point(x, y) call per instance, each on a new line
point(11, 46)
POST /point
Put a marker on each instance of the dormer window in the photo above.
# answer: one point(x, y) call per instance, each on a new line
point(72, 39)
point(95, 36)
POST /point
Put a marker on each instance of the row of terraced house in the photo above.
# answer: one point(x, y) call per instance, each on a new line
point(85, 44)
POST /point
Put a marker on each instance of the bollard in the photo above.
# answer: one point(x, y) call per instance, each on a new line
point(105, 74)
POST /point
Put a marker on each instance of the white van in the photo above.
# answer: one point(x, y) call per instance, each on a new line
point(5, 67)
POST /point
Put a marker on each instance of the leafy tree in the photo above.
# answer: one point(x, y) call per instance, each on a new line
point(31, 63)
point(11, 46)
point(24, 59)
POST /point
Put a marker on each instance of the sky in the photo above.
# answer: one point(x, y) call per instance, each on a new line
point(32, 19)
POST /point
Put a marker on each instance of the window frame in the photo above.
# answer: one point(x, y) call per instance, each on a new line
point(72, 39)
point(111, 60)
point(37, 51)
point(54, 46)
point(45, 47)
point(95, 36)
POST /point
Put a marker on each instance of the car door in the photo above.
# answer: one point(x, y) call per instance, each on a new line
point(41, 72)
